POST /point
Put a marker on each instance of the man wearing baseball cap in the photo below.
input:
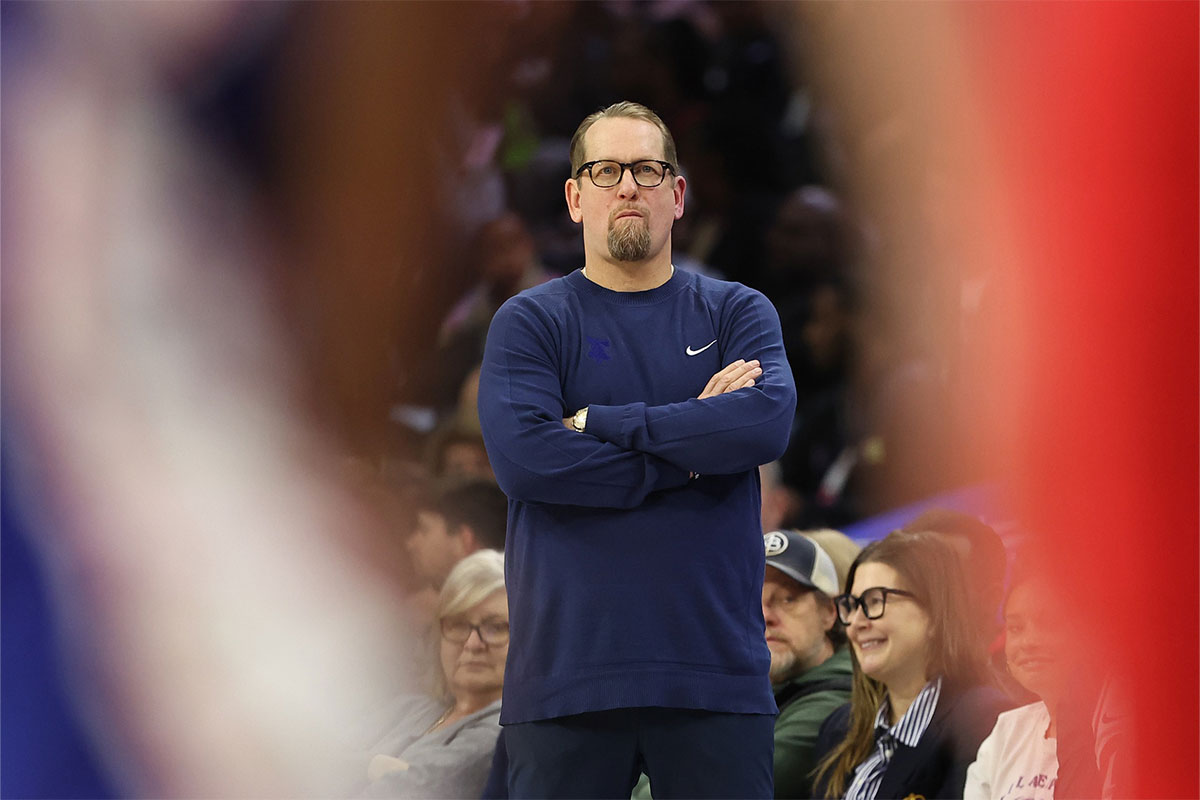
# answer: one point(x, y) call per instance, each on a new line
point(810, 664)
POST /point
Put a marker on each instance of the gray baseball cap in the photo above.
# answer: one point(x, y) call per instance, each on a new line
point(801, 559)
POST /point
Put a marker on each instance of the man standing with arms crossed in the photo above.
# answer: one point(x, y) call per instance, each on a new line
point(626, 408)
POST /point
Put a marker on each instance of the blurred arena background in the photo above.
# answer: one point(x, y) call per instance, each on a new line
point(235, 236)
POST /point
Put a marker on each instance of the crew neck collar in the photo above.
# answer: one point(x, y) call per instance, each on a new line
point(673, 284)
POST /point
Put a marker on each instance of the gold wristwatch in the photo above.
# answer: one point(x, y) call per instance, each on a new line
point(579, 421)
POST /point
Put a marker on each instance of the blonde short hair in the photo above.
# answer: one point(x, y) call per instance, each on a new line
point(473, 580)
point(630, 110)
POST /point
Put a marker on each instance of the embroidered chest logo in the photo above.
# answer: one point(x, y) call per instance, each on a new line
point(598, 349)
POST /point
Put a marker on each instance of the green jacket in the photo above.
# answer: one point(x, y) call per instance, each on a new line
point(800, 719)
point(800, 716)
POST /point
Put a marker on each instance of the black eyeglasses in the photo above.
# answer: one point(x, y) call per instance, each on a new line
point(492, 632)
point(606, 174)
point(872, 601)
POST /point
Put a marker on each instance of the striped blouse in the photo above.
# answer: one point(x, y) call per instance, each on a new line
point(908, 731)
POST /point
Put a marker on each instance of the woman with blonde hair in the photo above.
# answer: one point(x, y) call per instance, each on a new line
point(440, 745)
point(921, 701)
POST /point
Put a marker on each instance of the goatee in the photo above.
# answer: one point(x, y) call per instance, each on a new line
point(629, 240)
point(783, 666)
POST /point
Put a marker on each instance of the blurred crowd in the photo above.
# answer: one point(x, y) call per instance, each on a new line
point(391, 346)
point(769, 206)
point(387, 350)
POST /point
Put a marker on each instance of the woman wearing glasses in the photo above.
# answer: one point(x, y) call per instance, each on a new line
point(441, 745)
point(920, 703)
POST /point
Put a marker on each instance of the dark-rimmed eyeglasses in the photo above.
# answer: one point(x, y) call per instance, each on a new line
point(492, 632)
point(872, 601)
point(606, 174)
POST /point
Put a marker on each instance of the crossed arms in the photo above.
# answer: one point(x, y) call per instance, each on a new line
point(738, 375)
point(740, 420)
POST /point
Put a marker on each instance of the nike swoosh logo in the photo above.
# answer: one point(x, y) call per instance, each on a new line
point(692, 352)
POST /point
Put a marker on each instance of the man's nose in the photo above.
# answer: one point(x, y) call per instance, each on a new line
point(627, 186)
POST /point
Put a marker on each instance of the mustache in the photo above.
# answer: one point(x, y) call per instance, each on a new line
point(612, 217)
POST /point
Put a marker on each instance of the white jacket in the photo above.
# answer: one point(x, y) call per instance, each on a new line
point(1016, 761)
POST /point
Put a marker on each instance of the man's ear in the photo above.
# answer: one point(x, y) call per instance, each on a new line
point(679, 189)
point(828, 613)
point(573, 199)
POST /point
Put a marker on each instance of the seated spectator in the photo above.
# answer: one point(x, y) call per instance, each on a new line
point(466, 408)
point(458, 453)
point(441, 745)
point(1019, 757)
point(817, 335)
point(809, 238)
point(810, 664)
point(454, 521)
point(454, 449)
point(508, 264)
point(920, 704)
point(779, 501)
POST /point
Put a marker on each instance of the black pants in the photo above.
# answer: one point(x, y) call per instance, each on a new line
point(685, 753)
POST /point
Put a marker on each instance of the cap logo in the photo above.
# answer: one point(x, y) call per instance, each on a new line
point(775, 542)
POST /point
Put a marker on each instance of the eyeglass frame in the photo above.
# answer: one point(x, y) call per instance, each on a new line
point(626, 165)
point(478, 629)
point(858, 604)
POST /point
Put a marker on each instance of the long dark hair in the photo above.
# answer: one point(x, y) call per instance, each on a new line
point(931, 570)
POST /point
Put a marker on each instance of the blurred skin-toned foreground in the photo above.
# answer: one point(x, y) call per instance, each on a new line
point(221, 586)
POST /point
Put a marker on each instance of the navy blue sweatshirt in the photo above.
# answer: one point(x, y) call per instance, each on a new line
point(629, 584)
